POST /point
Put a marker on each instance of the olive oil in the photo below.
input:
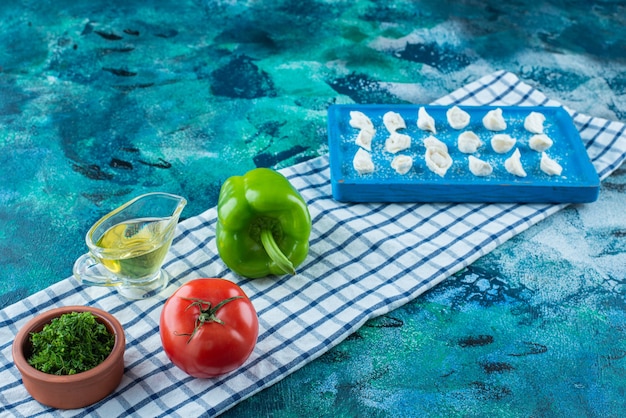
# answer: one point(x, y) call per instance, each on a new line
point(128, 245)
point(137, 247)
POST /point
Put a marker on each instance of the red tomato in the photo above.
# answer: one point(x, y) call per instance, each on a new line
point(208, 327)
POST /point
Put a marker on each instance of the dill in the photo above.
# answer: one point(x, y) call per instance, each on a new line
point(72, 343)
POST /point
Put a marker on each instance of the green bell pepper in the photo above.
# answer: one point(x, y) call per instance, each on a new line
point(263, 224)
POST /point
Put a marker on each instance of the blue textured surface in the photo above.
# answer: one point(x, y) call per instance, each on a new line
point(578, 183)
point(101, 101)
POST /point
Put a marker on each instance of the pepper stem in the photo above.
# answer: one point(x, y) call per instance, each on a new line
point(272, 250)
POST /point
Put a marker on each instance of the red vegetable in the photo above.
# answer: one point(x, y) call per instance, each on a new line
point(208, 327)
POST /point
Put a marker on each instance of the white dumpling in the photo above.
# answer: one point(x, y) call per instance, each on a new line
point(402, 163)
point(540, 142)
point(397, 142)
point(424, 121)
point(513, 164)
point(362, 162)
point(457, 118)
point(393, 121)
point(432, 142)
point(359, 120)
point(364, 138)
point(502, 143)
point(438, 160)
point(549, 166)
point(468, 142)
point(494, 121)
point(534, 122)
point(479, 167)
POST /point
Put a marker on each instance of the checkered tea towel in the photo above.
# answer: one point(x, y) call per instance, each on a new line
point(364, 260)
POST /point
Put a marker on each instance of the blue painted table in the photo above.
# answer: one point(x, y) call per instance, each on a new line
point(101, 101)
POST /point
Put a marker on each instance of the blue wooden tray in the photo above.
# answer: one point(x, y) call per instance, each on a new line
point(578, 182)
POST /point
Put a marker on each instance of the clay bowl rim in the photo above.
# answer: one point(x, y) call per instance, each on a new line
point(21, 344)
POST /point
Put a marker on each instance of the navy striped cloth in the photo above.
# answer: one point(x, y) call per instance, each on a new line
point(365, 260)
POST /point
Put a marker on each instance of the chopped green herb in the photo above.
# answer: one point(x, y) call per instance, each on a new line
point(72, 343)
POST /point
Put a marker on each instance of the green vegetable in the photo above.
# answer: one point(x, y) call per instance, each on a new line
point(72, 343)
point(263, 224)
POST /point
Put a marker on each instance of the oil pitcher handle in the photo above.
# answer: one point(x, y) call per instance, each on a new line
point(88, 271)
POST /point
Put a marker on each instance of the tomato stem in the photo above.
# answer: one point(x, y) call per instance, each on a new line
point(207, 313)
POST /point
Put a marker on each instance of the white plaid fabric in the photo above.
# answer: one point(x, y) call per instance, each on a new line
point(365, 260)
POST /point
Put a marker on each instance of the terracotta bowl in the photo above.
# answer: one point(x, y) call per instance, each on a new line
point(72, 391)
